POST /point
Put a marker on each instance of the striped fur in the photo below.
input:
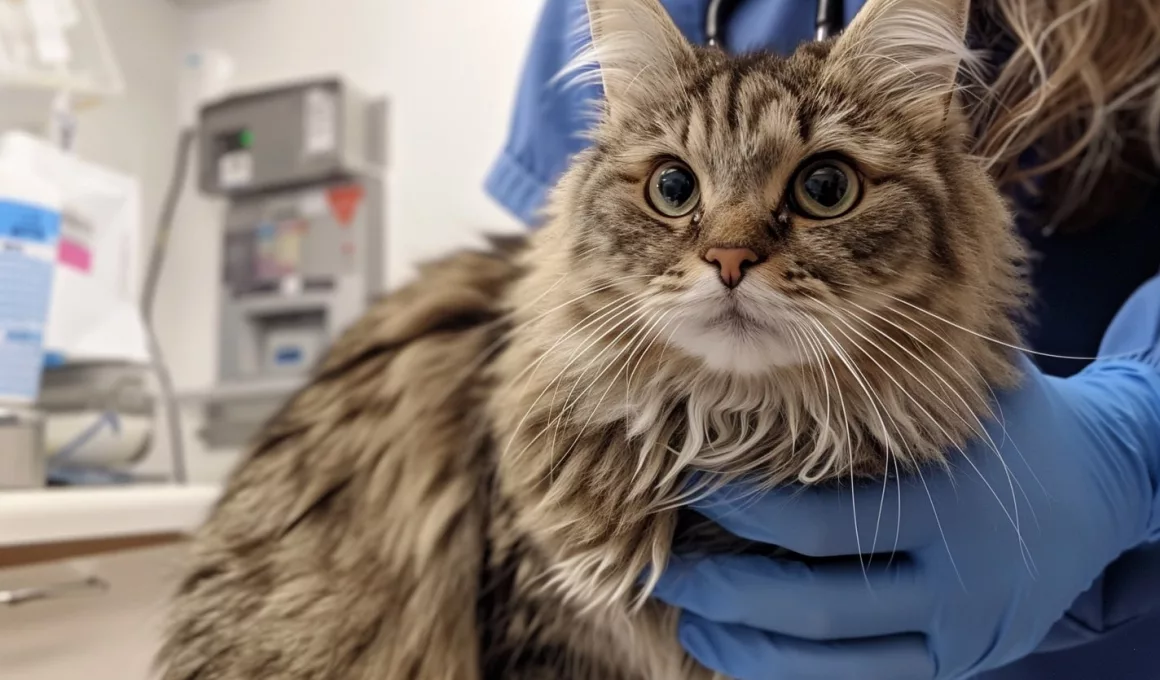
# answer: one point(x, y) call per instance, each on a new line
point(481, 469)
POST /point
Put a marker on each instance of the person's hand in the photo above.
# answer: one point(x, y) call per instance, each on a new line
point(987, 557)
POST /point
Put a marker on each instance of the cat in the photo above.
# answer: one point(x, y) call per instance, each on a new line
point(782, 270)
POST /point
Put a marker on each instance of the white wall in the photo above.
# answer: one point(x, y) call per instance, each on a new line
point(449, 69)
point(136, 133)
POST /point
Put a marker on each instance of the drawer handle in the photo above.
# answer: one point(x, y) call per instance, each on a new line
point(88, 586)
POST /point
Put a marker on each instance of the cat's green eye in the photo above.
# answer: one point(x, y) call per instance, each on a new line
point(826, 188)
point(673, 190)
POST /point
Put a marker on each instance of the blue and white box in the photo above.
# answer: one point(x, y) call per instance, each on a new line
point(29, 236)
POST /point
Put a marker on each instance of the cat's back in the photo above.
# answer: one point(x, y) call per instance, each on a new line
point(359, 512)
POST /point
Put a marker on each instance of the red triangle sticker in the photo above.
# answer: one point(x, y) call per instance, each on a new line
point(344, 202)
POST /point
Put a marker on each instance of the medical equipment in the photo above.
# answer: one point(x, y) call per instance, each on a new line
point(829, 19)
point(96, 392)
point(95, 314)
point(100, 418)
point(302, 244)
point(828, 22)
point(30, 209)
point(22, 461)
point(92, 362)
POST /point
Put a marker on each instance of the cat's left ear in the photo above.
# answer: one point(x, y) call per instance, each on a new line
point(910, 51)
point(637, 46)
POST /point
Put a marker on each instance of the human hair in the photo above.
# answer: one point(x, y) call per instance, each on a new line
point(1074, 100)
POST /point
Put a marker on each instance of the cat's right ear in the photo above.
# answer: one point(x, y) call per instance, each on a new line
point(637, 47)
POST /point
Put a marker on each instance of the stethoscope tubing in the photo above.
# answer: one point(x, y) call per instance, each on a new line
point(828, 20)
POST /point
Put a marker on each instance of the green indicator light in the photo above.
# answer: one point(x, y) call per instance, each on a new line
point(246, 139)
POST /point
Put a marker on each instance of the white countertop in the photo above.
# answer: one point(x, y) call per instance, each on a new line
point(61, 515)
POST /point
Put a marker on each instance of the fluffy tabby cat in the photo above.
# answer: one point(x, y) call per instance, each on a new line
point(763, 267)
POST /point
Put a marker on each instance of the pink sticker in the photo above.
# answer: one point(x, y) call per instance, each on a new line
point(75, 255)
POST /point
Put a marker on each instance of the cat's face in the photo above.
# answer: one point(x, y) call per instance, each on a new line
point(759, 199)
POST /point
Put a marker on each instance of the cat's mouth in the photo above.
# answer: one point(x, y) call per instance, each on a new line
point(735, 318)
point(739, 334)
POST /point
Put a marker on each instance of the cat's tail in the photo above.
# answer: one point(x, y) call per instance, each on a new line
point(349, 543)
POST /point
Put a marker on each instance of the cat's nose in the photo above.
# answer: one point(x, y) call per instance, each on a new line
point(731, 263)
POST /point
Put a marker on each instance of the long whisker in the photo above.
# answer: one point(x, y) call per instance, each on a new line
point(638, 332)
point(568, 405)
point(1013, 519)
point(644, 346)
point(849, 444)
point(562, 305)
point(874, 401)
point(930, 349)
point(938, 521)
point(612, 319)
point(567, 408)
point(608, 345)
point(643, 456)
point(826, 436)
point(499, 341)
point(981, 336)
point(982, 430)
point(668, 340)
point(602, 314)
point(994, 397)
point(626, 301)
point(556, 381)
point(611, 383)
point(800, 346)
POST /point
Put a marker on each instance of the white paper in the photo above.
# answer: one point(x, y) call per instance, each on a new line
point(321, 123)
point(235, 169)
point(313, 204)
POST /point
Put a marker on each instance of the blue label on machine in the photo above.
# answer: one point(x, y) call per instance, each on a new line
point(288, 356)
point(28, 245)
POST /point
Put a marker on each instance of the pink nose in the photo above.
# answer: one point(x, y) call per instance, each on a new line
point(731, 262)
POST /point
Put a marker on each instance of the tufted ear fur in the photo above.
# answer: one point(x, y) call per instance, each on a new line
point(910, 51)
point(637, 47)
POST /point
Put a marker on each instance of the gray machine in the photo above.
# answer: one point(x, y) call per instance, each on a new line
point(303, 244)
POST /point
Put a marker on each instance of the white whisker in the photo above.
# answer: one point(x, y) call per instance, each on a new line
point(617, 306)
point(1011, 518)
point(982, 429)
point(981, 336)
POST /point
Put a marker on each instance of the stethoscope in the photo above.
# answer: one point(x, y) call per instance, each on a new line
point(829, 21)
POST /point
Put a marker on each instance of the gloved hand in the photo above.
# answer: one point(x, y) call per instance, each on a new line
point(989, 556)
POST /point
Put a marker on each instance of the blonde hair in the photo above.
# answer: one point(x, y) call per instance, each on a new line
point(1080, 89)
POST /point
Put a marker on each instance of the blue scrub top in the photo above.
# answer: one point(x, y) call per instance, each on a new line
point(1081, 280)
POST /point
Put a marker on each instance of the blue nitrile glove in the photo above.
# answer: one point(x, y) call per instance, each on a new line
point(966, 592)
